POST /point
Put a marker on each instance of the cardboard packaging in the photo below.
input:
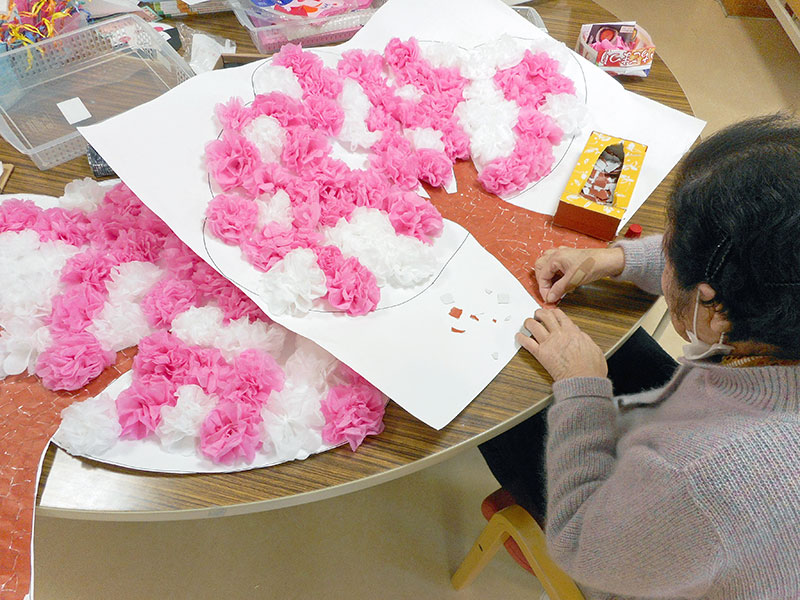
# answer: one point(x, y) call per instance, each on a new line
point(632, 55)
point(601, 185)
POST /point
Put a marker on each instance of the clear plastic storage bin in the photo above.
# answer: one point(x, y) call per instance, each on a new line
point(271, 30)
point(80, 78)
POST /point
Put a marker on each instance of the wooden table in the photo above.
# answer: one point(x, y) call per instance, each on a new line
point(606, 310)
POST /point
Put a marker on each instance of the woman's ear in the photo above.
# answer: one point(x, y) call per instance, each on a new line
point(719, 323)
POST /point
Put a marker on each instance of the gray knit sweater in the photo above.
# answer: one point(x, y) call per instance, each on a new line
point(688, 491)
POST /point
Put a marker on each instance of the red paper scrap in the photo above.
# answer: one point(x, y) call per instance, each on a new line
point(454, 330)
point(474, 317)
point(456, 312)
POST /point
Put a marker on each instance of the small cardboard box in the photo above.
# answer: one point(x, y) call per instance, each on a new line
point(635, 61)
point(601, 185)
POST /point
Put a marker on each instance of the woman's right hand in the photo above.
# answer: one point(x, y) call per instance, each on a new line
point(561, 270)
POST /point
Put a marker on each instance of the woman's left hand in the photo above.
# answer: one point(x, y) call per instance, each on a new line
point(562, 348)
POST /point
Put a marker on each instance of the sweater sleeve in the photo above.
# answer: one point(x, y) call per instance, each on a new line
point(644, 263)
point(626, 525)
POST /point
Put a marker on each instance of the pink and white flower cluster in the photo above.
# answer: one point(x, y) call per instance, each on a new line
point(321, 147)
point(213, 374)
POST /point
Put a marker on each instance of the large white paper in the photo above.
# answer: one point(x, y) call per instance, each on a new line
point(407, 347)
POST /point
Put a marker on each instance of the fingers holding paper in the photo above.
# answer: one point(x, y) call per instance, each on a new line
point(560, 270)
point(561, 347)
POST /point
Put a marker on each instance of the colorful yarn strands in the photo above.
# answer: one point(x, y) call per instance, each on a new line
point(28, 22)
point(214, 376)
point(318, 179)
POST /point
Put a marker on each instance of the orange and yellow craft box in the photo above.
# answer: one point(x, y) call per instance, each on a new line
point(601, 185)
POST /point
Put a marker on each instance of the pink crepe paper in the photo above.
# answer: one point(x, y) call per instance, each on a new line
point(208, 369)
point(434, 167)
point(231, 433)
point(255, 376)
point(269, 245)
point(139, 407)
point(394, 157)
point(91, 268)
point(288, 111)
point(324, 113)
point(162, 356)
point(304, 147)
point(414, 216)
point(233, 115)
point(18, 215)
point(72, 310)
point(231, 159)
point(351, 286)
point(352, 412)
point(363, 67)
point(70, 226)
point(231, 217)
point(167, 299)
point(72, 361)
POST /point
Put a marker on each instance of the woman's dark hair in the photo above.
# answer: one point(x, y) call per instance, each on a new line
point(734, 223)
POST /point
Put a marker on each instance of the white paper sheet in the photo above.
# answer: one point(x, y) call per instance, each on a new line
point(407, 347)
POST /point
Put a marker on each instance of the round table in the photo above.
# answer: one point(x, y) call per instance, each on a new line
point(606, 310)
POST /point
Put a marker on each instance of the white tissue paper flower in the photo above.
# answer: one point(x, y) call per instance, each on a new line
point(241, 334)
point(425, 137)
point(485, 60)
point(121, 322)
point(266, 134)
point(488, 119)
point(272, 78)
point(84, 194)
point(569, 112)
point(21, 342)
point(276, 208)
point(199, 326)
point(443, 54)
point(31, 274)
point(179, 427)
point(398, 260)
point(354, 133)
point(292, 285)
point(90, 427)
point(309, 366)
point(293, 423)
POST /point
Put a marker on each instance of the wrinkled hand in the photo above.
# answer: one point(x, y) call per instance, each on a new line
point(561, 270)
point(562, 348)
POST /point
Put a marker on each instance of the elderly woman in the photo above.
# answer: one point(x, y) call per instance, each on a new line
point(691, 489)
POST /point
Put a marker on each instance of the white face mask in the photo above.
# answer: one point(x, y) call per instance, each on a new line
point(697, 349)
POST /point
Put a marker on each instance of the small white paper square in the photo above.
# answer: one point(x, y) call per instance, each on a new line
point(74, 110)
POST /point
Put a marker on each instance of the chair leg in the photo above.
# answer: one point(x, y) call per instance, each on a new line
point(516, 522)
point(491, 538)
point(530, 538)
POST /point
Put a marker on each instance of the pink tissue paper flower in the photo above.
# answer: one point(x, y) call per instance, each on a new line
point(304, 148)
point(231, 218)
point(352, 412)
point(288, 111)
point(72, 361)
point(74, 309)
point(92, 268)
point(301, 63)
point(167, 299)
point(139, 407)
point(230, 160)
point(18, 215)
point(414, 216)
point(434, 167)
point(162, 356)
point(234, 115)
point(230, 433)
point(325, 114)
point(70, 226)
point(208, 369)
point(363, 67)
point(351, 286)
point(256, 376)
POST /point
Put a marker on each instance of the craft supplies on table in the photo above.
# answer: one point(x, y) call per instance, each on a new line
point(272, 23)
point(26, 22)
point(617, 48)
point(5, 173)
point(80, 78)
point(600, 187)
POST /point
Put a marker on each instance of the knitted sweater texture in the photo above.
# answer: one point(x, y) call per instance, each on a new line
point(688, 491)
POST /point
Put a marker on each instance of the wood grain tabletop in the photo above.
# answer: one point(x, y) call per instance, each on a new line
point(608, 311)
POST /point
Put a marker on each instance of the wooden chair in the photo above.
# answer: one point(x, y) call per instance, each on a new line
point(512, 525)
